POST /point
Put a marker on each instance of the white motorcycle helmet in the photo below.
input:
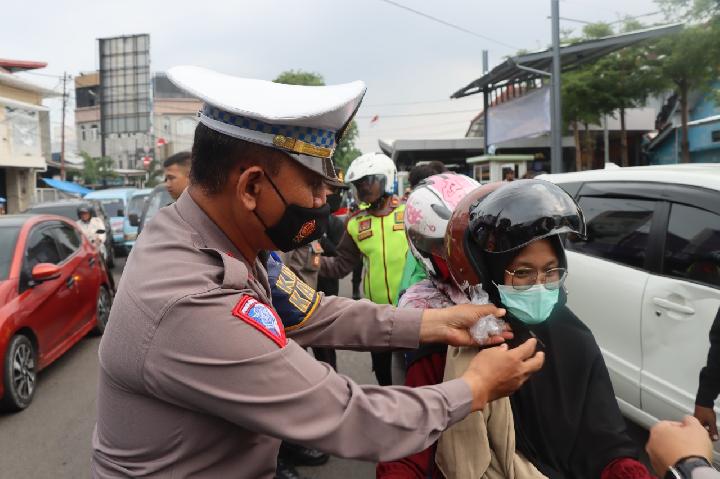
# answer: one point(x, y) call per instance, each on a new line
point(373, 166)
point(427, 212)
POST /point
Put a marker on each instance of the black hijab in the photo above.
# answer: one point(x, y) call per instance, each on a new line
point(567, 421)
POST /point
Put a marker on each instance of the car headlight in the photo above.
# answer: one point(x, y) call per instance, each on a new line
point(130, 236)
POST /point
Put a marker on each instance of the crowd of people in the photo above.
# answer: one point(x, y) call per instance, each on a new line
point(228, 289)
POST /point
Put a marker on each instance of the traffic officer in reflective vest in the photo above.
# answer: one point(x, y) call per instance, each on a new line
point(375, 236)
point(197, 375)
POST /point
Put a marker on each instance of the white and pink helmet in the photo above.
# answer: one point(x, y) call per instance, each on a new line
point(427, 213)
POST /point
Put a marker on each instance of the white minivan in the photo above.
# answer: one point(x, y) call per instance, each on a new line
point(647, 279)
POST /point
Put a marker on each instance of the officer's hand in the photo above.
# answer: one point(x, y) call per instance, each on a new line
point(451, 325)
point(497, 372)
point(671, 441)
point(706, 416)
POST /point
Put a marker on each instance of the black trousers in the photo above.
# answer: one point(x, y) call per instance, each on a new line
point(326, 355)
point(382, 367)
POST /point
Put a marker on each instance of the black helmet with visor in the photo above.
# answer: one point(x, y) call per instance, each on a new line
point(513, 216)
point(521, 212)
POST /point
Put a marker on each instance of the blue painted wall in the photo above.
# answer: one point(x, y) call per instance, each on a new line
point(702, 148)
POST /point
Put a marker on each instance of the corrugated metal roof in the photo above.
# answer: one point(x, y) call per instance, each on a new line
point(571, 57)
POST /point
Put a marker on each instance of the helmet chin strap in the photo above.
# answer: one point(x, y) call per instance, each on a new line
point(379, 202)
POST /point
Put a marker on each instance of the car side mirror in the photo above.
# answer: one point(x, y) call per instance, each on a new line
point(100, 232)
point(121, 212)
point(45, 272)
point(134, 220)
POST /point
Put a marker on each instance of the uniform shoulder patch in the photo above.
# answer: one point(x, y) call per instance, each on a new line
point(262, 317)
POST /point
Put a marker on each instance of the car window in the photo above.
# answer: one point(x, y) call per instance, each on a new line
point(68, 240)
point(8, 239)
point(40, 248)
point(692, 247)
point(617, 229)
point(136, 204)
point(160, 199)
point(112, 206)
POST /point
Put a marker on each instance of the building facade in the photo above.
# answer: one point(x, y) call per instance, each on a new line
point(174, 121)
point(24, 133)
point(703, 131)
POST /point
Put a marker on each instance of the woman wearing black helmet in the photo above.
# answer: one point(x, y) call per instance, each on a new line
point(567, 421)
point(505, 240)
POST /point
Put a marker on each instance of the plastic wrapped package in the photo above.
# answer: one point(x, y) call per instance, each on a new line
point(429, 294)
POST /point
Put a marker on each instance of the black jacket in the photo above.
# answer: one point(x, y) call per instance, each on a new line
point(567, 421)
point(709, 387)
point(329, 242)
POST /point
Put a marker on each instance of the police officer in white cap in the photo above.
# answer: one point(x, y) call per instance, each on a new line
point(197, 375)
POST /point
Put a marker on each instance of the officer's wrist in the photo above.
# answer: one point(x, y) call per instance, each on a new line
point(684, 467)
point(479, 390)
point(432, 326)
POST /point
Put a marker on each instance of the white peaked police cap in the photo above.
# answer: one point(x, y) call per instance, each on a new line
point(306, 122)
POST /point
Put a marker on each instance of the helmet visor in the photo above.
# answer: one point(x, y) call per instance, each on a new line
point(521, 212)
point(369, 188)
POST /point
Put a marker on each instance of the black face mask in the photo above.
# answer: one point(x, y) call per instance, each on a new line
point(298, 226)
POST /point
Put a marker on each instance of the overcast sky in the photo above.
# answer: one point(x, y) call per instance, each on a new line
point(411, 64)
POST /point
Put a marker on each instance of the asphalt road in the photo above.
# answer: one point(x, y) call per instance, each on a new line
point(51, 438)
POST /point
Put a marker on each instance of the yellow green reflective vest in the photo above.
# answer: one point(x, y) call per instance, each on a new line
point(382, 241)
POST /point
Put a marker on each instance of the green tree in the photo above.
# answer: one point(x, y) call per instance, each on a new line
point(97, 170)
point(690, 10)
point(346, 150)
point(597, 30)
point(690, 60)
point(629, 77)
point(585, 101)
point(300, 77)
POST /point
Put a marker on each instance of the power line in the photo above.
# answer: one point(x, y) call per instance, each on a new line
point(417, 102)
point(417, 127)
point(49, 75)
point(451, 25)
point(405, 115)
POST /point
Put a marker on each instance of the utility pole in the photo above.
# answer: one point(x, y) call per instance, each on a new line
point(62, 128)
point(486, 103)
point(556, 163)
point(606, 139)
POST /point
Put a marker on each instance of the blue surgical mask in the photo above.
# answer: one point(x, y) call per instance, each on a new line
point(531, 306)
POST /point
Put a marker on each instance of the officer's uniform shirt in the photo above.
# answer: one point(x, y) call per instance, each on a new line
point(198, 379)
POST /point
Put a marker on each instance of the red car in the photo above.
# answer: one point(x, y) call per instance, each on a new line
point(54, 289)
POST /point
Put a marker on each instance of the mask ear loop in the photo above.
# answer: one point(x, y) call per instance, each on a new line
point(282, 198)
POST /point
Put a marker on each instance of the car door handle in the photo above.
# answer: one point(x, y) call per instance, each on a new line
point(70, 281)
point(669, 305)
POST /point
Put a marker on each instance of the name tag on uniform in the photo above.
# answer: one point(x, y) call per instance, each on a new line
point(364, 235)
point(261, 317)
point(399, 224)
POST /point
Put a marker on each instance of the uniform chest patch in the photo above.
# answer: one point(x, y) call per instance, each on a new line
point(364, 225)
point(262, 317)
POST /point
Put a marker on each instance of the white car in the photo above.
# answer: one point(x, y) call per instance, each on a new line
point(647, 280)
